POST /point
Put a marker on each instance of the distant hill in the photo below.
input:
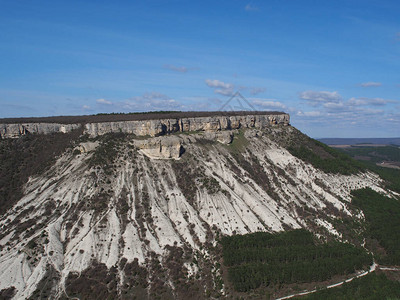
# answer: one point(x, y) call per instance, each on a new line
point(356, 141)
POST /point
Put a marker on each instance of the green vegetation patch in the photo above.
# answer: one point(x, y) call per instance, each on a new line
point(27, 156)
point(210, 184)
point(45, 287)
point(191, 179)
point(239, 142)
point(325, 158)
point(263, 259)
point(140, 113)
point(371, 286)
point(186, 177)
point(8, 293)
point(107, 152)
point(369, 156)
point(96, 282)
point(391, 177)
point(382, 216)
point(314, 152)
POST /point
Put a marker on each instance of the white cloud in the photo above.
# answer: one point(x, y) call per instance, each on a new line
point(104, 101)
point(368, 101)
point(250, 7)
point(309, 113)
point(370, 111)
point(85, 107)
point(343, 115)
point(257, 90)
point(220, 87)
point(320, 96)
point(335, 106)
point(357, 101)
point(175, 68)
point(151, 101)
point(268, 103)
point(370, 84)
point(147, 102)
point(225, 92)
point(218, 84)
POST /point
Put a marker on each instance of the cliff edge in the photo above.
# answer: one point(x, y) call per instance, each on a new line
point(153, 127)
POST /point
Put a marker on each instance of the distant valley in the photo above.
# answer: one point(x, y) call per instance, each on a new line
point(360, 141)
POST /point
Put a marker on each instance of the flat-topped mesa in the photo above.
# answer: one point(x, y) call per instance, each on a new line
point(167, 126)
point(17, 130)
point(144, 125)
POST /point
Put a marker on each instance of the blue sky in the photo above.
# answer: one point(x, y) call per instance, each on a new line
point(333, 65)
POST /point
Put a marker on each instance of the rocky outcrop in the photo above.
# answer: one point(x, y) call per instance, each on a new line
point(167, 147)
point(87, 147)
point(17, 130)
point(166, 126)
point(224, 137)
point(161, 147)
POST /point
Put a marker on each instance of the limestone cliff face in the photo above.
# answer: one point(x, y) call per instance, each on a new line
point(151, 128)
point(165, 126)
point(17, 130)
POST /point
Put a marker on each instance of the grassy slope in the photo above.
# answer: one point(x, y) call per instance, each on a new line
point(316, 153)
point(343, 161)
point(377, 154)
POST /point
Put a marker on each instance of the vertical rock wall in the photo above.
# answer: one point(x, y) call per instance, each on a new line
point(150, 127)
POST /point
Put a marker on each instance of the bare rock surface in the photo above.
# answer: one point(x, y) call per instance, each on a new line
point(165, 147)
point(156, 127)
point(166, 126)
point(17, 130)
point(87, 146)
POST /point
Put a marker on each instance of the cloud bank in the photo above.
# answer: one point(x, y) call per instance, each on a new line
point(147, 102)
point(268, 104)
point(330, 110)
point(250, 7)
point(323, 96)
point(220, 87)
point(104, 101)
point(181, 69)
point(371, 84)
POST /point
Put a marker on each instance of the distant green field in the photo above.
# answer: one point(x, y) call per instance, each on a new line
point(375, 154)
